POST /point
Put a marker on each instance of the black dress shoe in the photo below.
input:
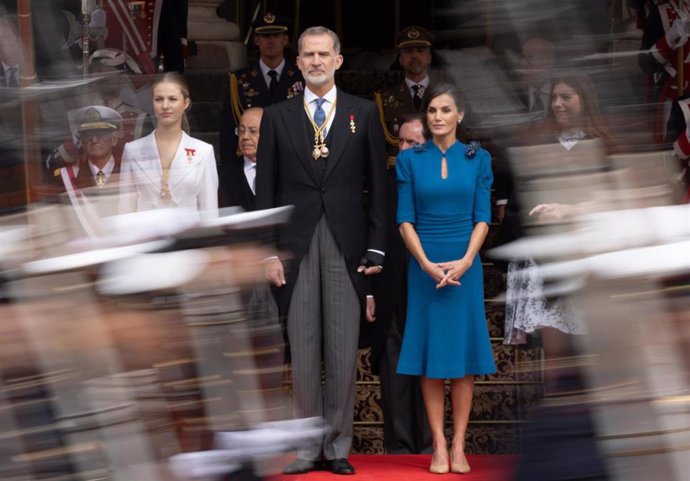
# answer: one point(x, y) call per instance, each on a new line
point(301, 466)
point(340, 466)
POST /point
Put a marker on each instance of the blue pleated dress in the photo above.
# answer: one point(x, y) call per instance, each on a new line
point(446, 333)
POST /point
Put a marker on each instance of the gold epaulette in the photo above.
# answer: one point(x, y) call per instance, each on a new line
point(391, 162)
point(235, 99)
point(390, 138)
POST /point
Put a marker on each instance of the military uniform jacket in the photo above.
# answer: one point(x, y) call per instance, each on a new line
point(393, 104)
point(247, 88)
point(135, 123)
point(193, 178)
point(660, 59)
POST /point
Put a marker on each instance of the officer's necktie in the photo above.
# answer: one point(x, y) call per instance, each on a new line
point(537, 102)
point(319, 113)
point(273, 84)
point(100, 178)
point(417, 97)
point(12, 81)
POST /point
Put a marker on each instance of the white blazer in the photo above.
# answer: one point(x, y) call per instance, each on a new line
point(193, 177)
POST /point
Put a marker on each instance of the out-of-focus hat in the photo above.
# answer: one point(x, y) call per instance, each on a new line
point(269, 23)
point(96, 118)
point(414, 36)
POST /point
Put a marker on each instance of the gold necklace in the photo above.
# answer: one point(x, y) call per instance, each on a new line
point(320, 149)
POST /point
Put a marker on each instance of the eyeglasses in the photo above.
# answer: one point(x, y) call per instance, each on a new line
point(253, 131)
point(95, 137)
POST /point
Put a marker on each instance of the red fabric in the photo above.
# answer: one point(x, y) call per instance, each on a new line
point(684, 143)
point(412, 467)
point(664, 49)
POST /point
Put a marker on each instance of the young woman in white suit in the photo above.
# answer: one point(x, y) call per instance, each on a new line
point(168, 168)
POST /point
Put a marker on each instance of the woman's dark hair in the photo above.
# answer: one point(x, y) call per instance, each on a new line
point(441, 88)
point(592, 122)
point(179, 80)
point(436, 89)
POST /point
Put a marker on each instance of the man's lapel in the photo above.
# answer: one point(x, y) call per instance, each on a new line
point(340, 130)
point(294, 121)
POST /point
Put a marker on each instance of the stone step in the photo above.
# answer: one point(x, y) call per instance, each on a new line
point(207, 84)
point(205, 115)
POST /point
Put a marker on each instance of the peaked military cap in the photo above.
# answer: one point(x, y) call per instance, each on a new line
point(97, 118)
point(270, 23)
point(414, 36)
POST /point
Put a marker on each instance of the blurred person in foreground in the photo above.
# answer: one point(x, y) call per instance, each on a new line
point(169, 168)
point(319, 157)
point(443, 214)
point(108, 91)
point(560, 443)
point(12, 181)
point(573, 116)
point(238, 178)
point(665, 34)
point(534, 86)
point(536, 61)
point(405, 427)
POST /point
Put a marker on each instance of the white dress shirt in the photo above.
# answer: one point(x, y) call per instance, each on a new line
point(410, 83)
point(250, 173)
point(265, 69)
point(329, 104)
point(6, 71)
point(107, 169)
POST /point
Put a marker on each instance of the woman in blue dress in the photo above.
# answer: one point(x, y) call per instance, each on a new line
point(443, 214)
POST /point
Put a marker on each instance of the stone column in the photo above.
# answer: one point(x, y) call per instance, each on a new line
point(218, 41)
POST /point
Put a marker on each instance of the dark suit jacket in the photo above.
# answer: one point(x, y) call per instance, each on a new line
point(233, 187)
point(252, 91)
point(288, 175)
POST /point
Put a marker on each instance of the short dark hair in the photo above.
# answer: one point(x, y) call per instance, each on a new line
point(408, 117)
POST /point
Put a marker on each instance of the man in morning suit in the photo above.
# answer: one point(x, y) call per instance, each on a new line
point(238, 179)
point(263, 83)
point(318, 152)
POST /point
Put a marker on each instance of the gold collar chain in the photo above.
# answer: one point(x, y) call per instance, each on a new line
point(320, 150)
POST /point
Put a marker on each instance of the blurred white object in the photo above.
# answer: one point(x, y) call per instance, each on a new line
point(151, 272)
point(203, 464)
point(272, 438)
point(81, 260)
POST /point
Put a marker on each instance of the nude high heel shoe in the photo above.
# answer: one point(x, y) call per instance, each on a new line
point(439, 467)
point(459, 467)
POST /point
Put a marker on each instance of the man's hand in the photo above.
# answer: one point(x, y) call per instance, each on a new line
point(371, 309)
point(371, 263)
point(273, 269)
point(500, 213)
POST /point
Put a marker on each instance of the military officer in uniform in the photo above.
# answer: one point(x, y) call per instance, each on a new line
point(135, 123)
point(405, 427)
point(414, 54)
point(97, 128)
point(263, 83)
